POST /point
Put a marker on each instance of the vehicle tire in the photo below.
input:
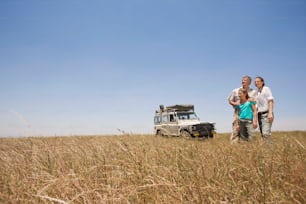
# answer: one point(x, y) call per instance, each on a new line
point(209, 133)
point(158, 133)
point(185, 134)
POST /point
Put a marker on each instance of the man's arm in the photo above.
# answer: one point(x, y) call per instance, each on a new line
point(233, 103)
point(231, 99)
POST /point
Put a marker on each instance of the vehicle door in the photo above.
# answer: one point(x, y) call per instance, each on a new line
point(157, 124)
point(173, 124)
point(164, 124)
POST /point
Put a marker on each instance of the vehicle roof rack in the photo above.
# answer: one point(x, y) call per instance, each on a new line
point(184, 107)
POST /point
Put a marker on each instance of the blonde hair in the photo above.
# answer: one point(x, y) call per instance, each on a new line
point(244, 91)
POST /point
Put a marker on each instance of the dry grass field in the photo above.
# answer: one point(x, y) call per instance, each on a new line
point(150, 169)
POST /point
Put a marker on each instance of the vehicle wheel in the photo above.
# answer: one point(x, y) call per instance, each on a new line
point(185, 134)
point(209, 133)
point(158, 133)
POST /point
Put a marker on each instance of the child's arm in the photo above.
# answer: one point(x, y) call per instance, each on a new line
point(236, 118)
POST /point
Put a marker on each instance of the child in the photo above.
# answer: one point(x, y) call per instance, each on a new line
point(245, 116)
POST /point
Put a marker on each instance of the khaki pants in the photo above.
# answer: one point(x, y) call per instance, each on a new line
point(235, 136)
point(265, 127)
point(246, 133)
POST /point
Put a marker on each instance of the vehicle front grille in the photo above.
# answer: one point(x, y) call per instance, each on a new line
point(205, 129)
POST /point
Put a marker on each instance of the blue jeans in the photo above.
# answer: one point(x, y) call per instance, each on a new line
point(247, 131)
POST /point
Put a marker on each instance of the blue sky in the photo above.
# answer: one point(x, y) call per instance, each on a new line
point(92, 67)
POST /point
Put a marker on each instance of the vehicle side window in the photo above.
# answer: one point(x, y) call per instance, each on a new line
point(182, 117)
point(156, 119)
point(172, 118)
point(165, 118)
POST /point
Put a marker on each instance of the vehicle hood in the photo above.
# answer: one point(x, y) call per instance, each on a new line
point(189, 122)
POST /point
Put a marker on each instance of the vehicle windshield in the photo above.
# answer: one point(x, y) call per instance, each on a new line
point(187, 116)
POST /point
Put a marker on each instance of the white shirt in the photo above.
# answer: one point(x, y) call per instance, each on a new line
point(234, 95)
point(263, 98)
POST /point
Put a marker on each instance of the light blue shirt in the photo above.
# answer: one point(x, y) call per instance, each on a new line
point(245, 110)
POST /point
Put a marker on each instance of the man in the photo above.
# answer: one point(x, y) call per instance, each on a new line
point(233, 100)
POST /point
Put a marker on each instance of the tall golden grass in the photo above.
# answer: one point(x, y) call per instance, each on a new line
point(150, 169)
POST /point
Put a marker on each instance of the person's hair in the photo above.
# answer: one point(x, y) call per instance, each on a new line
point(261, 79)
point(248, 77)
point(244, 91)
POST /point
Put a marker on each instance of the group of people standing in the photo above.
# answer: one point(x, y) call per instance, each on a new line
point(252, 108)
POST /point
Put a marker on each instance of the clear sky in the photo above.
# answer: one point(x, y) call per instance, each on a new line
point(92, 67)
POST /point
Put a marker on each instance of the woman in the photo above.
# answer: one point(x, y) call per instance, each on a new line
point(245, 116)
point(265, 106)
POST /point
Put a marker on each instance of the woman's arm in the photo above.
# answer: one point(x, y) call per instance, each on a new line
point(255, 123)
point(270, 114)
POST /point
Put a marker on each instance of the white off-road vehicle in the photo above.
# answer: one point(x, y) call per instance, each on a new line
point(181, 121)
